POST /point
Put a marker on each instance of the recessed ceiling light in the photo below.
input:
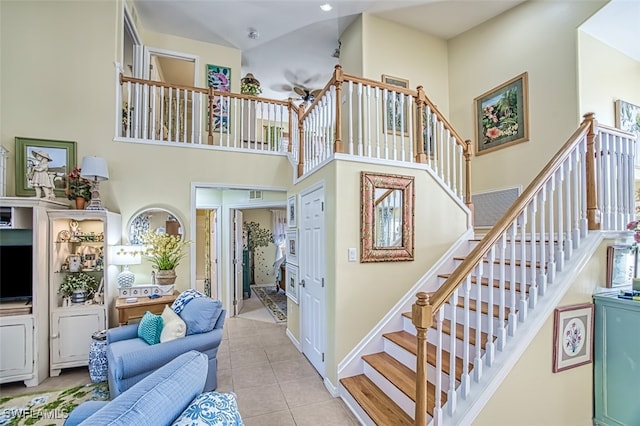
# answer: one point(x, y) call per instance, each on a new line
point(326, 7)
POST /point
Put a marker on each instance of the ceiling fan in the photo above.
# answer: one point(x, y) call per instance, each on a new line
point(306, 95)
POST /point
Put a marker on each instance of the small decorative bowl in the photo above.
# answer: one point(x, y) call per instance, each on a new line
point(166, 289)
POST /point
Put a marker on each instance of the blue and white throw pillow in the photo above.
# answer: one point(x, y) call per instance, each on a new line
point(184, 298)
point(211, 409)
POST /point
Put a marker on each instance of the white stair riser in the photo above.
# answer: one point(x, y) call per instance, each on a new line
point(402, 400)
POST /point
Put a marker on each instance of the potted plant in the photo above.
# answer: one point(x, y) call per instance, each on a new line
point(79, 283)
point(165, 252)
point(78, 188)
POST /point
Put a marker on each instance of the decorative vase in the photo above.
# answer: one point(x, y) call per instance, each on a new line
point(79, 296)
point(80, 202)
point(166, 276)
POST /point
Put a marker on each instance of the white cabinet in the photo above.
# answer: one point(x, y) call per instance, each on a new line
point(16, 351)
point(71, 330)
point(24, 294)
point(78, 249)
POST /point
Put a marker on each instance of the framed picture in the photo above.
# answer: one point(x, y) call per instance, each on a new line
point(572, 336)
point(395, 110)
point(219, 78)
point(502, 115)
point(628, 117)
point(621, 265)
point(36, 156)
point(292, 282)
point(292, 246)
point(291, 211)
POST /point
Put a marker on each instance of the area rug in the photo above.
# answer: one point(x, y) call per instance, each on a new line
point(49, 407)
point(275, 301)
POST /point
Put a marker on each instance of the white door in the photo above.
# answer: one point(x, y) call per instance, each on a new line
point(213, 253)
point(312, 282)
point(237, 260)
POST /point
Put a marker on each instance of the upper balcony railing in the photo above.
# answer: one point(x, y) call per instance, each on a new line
point(351, 116)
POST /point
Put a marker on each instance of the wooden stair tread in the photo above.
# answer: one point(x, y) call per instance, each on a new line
point(485, 282)
point(402, 377)
point(408, 342)
point(446, 329)
point(508, 262)
point(378, 406)
point(484, 307)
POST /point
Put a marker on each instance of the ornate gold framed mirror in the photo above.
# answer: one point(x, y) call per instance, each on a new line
point(386, 208)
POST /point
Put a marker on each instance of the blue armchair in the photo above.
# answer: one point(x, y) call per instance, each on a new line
point(130, 358)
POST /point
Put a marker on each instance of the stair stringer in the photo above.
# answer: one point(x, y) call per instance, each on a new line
point(468, 409)
point(352, 364)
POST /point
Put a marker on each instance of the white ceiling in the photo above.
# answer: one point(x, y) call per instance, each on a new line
point(297, 40)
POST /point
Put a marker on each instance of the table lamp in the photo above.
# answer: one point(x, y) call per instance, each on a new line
point(94, 169)
point(125, 256)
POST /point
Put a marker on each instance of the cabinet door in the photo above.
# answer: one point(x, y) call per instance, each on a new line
point(71, 335)
point(16, 346)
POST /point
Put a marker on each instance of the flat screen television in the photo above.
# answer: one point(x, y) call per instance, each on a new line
point(16, 269)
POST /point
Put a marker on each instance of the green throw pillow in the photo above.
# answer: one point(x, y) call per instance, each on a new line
point(150, 328)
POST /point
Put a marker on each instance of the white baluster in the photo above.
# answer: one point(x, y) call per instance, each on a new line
point(477, 361)
point(542, 277)
point(501, 332)
point(489, 348)
point(513, 321)
point(568, 243)
point(522, 305)
point(437, 410)
point(552, 267)
point(452, 396)
point(561, 239)
point(533, 289)
point(465, 379)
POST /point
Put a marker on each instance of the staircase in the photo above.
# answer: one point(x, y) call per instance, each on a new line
point(488, 298)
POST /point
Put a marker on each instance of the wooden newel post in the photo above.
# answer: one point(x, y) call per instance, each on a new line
point(593, 214)
point(210, 118)
point(339, 78)
point(301, 141)
point(291, 128)
point(421, 157)
point(422, 318)
point(467, 179)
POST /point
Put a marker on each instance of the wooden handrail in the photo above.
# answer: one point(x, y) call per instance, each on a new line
point(381, 85)
point(440, 296)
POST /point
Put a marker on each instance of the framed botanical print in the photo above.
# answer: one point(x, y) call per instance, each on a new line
point(572, 336)
point(502, 115)
point(395, 110)
point(291, 211)
point(292, 246)
point(628, 117)
point(292, 282)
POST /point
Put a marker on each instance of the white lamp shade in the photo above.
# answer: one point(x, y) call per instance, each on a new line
point(125, 255)
point(94, 168)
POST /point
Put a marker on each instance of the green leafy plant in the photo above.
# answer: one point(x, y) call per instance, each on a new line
point(77, 186)
point(79, 281)
point(163, 250)
point(252, 89)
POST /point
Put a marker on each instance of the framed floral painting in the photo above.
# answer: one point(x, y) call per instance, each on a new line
point(572, 336)
point(628, 117)
point(395, 110)
point(219, 78)
point(502, 115)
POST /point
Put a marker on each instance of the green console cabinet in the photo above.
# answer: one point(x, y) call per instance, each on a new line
point(616, 366)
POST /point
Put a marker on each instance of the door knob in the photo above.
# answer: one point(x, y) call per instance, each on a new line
point(302, 283)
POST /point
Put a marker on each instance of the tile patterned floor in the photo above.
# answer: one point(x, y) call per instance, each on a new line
point(275, 384)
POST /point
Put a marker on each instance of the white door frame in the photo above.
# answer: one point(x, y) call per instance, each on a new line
point(301, 273)
point(225, 256)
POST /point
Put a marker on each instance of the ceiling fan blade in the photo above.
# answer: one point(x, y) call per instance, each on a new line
point(316, 93)
point(300, 91)
point(282, 87)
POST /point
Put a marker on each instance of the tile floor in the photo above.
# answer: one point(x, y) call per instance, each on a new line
point(275, 384)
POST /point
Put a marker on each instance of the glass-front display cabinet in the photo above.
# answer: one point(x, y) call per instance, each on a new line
point(81, 282)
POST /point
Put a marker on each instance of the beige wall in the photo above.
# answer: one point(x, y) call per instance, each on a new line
point(397, 50)
point(532, 394)
point(351, 48)
point(362, 293)
point(58, 83)
point(541, 39)
point(606, 75)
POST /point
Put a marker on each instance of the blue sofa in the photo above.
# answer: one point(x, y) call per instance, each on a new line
point(130, 358)
point(170, 395)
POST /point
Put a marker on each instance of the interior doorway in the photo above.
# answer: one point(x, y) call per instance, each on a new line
point(207, 249)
